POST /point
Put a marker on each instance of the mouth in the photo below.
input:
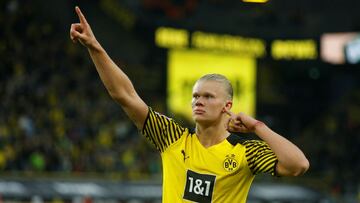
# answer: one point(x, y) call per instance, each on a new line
point(198, 111)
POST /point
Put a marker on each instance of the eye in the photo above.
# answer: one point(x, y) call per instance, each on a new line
point(208, 96)
point(196, 96)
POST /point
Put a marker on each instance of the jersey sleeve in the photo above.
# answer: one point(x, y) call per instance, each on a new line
point(161, 130)
point(260, 158)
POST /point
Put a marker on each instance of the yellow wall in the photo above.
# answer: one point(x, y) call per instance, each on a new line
point(185, 66)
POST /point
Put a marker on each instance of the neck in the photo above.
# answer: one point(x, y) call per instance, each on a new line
point(212, 134)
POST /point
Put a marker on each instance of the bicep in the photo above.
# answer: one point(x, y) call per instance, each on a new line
point(281, 170)
point(137, 110)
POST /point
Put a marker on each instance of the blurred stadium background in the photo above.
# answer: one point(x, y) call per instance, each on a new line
point(62, 139)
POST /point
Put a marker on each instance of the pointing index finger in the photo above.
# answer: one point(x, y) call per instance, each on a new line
point(81, 16)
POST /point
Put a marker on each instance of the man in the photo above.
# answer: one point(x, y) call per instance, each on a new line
point(210, 164)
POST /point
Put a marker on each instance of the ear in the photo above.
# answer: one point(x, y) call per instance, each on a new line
point(227, 106)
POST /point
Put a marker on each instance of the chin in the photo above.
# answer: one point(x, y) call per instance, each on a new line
point(196, 118)
point(200, 119)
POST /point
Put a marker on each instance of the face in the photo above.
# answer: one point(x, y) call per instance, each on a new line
point(208, 101)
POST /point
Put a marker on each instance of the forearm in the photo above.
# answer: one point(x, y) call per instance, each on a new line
point(115, 80)
point(291, 160)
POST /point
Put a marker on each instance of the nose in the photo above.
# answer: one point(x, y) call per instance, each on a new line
point(198, 102)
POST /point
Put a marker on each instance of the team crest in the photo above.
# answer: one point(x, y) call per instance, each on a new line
point(230, 163)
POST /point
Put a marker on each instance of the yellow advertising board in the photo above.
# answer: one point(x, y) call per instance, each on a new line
point(185, 66)
point(294, 49)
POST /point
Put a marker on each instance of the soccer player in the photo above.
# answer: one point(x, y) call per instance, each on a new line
point(210, 164)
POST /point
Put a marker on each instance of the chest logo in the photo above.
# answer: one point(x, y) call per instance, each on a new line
point(230, 163)
point(199, 187)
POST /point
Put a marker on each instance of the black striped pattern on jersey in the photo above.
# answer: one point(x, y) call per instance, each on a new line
point(260, 157)
point(161, 130)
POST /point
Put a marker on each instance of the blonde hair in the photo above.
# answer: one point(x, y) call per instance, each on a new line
point(219, 78)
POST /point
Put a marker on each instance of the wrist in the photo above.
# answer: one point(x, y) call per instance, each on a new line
point(258, 125)
point(95, 46)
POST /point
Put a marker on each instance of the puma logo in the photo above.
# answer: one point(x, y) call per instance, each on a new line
point(183, 153)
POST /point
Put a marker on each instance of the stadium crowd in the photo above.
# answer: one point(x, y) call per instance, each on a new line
point(55, 115)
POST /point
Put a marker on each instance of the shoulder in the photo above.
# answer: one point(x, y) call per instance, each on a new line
point(154, 116)
point(235, 139)
point(164, 123)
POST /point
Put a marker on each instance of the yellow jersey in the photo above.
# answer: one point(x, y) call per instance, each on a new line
point(192, 173)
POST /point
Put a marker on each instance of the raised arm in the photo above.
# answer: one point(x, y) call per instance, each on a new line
point(291, 160)
point(115, 80)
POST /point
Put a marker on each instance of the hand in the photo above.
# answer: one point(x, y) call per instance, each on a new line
point(82, 31)
point(241, 123)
